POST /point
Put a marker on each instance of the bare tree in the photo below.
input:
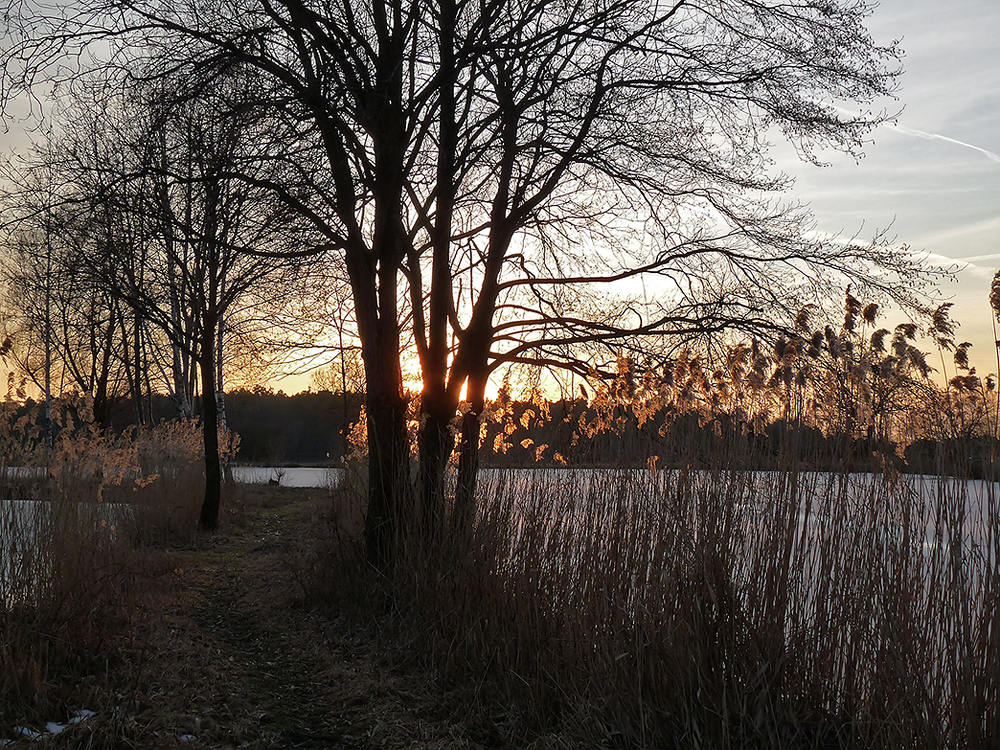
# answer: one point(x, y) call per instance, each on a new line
point(65, 331)
point(80, 330)
point(344, 373)
point(481, 166)
point(171, 233)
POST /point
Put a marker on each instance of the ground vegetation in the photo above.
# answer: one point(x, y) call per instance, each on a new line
point(775, 584)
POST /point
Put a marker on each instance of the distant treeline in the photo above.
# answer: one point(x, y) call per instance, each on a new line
point(308, 427)
point(311, 428)
point(273, 427)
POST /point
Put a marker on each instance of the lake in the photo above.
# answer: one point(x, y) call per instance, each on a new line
point(286, 477)
point(289, 477)
point(944, 505)
point(22, 522)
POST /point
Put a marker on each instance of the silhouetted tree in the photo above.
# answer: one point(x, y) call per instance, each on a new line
point(169, 226)
point(482, 166)
point(62, 327)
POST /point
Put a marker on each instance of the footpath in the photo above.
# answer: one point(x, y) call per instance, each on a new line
point(235, 654)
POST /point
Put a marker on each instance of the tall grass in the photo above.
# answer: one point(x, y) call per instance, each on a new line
point(757, 593)
point(788, 609)
point(66, 570)
point(72, 519)
point(718, 608)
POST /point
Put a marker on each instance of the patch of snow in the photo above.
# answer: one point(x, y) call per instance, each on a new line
point(51, 728)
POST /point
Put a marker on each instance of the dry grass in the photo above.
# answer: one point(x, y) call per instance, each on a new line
point(72, 522)
point(66, 577)
point(221, 646)
point(713, 609)
point(587, 609)
point(608, 608)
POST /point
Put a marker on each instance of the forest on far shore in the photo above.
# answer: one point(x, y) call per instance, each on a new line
point(273, 427)
point(617, 427)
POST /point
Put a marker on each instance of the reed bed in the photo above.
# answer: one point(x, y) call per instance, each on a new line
point(73, 519)
point(724, 609)
point(769, 580)
point(66, 569)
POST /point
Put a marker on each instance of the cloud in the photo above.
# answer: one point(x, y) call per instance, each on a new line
point(968, 234)
point(970, 265)
point(974, 258)
point(938, 137)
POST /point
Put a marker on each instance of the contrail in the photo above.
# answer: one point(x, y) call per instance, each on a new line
point(935, 136)
point(924, 134)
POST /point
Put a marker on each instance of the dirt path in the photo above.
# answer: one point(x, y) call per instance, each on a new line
point(238, 659)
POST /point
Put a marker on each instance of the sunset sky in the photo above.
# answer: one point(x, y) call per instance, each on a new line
point(934, 176)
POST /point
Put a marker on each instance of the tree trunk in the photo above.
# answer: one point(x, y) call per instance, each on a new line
point(435, 443)
point(220, 400)
point(180, 387)
point(475, 351)
point(210, 428)
point(468, 457)
point(135, 381)
point(437, 404)
point(102, 403)
point(390, 493)
point(149, 392)
point(390, 496)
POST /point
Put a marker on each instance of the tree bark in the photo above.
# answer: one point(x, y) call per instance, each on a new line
point(136, 380)
point(390, 503)
point(374, 280)
point(390, 493)
point(439, 402)
point(435, 445)
point(210, 428)
point(468, 457)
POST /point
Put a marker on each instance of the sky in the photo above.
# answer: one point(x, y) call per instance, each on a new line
point(934, 176)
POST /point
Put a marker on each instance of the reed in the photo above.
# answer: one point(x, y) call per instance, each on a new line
point(717, 608)
point(770, 580)
point(73, 519)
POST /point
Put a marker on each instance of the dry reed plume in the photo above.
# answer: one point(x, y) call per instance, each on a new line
point(737, 598)
point(71, 520)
